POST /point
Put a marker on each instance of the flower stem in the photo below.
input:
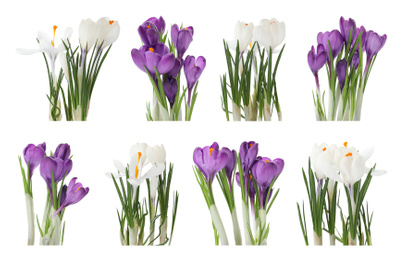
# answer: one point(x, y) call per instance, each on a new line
point(266, 111)
point(236, 112)
point(332, 239)
point(217, 221)
point(246, 223)
point(30, 218)
point(359, 101)
point(247, 113)
point(317, 239)
point(236, 228)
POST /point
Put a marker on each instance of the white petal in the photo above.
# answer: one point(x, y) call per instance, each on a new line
point(115, 175)
point(367, 152)
point(119, 166)
point(27, 51)
point(155, 170)
point(376, 172)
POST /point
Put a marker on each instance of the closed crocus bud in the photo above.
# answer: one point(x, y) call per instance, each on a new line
point(159, 23)
point(341, 71)
point(107, 32)
point(181, 38)
point(33, 156)
point(87, 34)
point(374, 43)
point(231, 163)
point(170, 86)
point(345, 27)
point(62, 152)
point(156, 154)
point(270, 33)
point(193, 69)
point(149, 33)
point(335, 40)
point(322, 160)
point(243, 34)
point(355, 60)
point(54, 166)
point(75, 192)
point(248, 154)
point(210, 160)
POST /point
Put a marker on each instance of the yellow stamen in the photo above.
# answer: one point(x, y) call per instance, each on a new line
point(78, 189)
point(267, 161)
point(138, 161)
point(348, 154)
point(53, 38)
point(148, 26)
point(272, 22)
point(345, 144)
point(151, 49)
point(210, 151)
point(185, 29)
point(250, 44)
point(111, 21)
point(324, 149)
point(250, 145)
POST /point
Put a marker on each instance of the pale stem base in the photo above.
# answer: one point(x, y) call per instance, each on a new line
point(217, 221)
point(163, 230)
point(317, 239)
point(236, 228)
point(266, 111)
point(236, 113)
point(247, 113)
point(246, 223)
point(332, 240)
point(30, 218)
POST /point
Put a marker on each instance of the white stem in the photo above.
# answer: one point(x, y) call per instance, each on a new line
point(217, 221)
point(30, 218)
point(246, 224)
point(352, 242)
point(236, 228)
point(247, 113)
point(262, 219)
point(317, 239)
point(155, 108)
point(266, 111)
point(280, 116)
point(330, 105)
point(332, 239)
point(133, 235)
point(359, 100)
point(236, 112)
point(56, 227)
point(152, 215)
point(163, 231)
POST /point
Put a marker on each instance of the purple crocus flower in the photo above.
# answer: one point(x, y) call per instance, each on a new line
point(159, 23)
point(345, 26)
point(264, 172)
point(210, 160)
point(170, 83)
point(181, 38)
point(154, 56)
point(362, 38)
point(56, 166)
point(149, 33)
point(75, 192)
point(62, 152)
point(193, 70)
point(355, 60)
point(33, 156)
point(317, 61)
point(248, 153)
point(374, 43)
point(230, 165)
point(341, 68)
point(335, 40)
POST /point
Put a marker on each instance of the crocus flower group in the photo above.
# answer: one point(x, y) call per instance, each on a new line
point(163, 64)
point(341, 51)
point(255, 180)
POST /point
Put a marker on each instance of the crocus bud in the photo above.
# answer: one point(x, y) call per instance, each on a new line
point(270, 33)
point(181, 38)
point(341, 68)
point(33, 156)
point(159, 23)
point(345, 26)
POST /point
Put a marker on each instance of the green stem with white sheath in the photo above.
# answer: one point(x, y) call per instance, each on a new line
point(236, 227)
point(30, 218)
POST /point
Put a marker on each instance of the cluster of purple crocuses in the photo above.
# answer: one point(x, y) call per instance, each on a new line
point(256, 178)
point(164, 63)
point(340, 51)
point(53, 169)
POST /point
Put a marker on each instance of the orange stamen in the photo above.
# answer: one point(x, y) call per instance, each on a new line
point(138, 161)
point(267, 161)
point(348, 154)
point(53, 38)
point(345, 144)
point(247, 24)
point(78, 189)
point(151, 49)
point(111, 21)
point(210, 151)
point(324, 149)
point(148, 26)
point(250, 145)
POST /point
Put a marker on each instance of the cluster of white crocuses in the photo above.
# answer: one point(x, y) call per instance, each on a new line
point(329, 166)
point(147, 164)
point(254, 93)
point(80, 71)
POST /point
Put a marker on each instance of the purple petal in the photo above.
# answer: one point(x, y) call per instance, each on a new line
point(166, 63)
point(174, 34)
point(138, 59)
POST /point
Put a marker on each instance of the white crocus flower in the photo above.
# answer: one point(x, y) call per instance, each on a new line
point(107, 32)
point(322, 160)
point(156, 155)
point(87, 34)
point(243, 34)
point(47, 46)
point(270, 33)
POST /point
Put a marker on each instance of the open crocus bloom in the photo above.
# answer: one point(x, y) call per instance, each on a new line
point(72, 194)
point(107, 32)
point(270, 33)
point(210, 160)
point(47, 45)
point(352, 165)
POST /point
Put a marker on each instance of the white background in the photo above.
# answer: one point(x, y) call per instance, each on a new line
point(117, 120)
